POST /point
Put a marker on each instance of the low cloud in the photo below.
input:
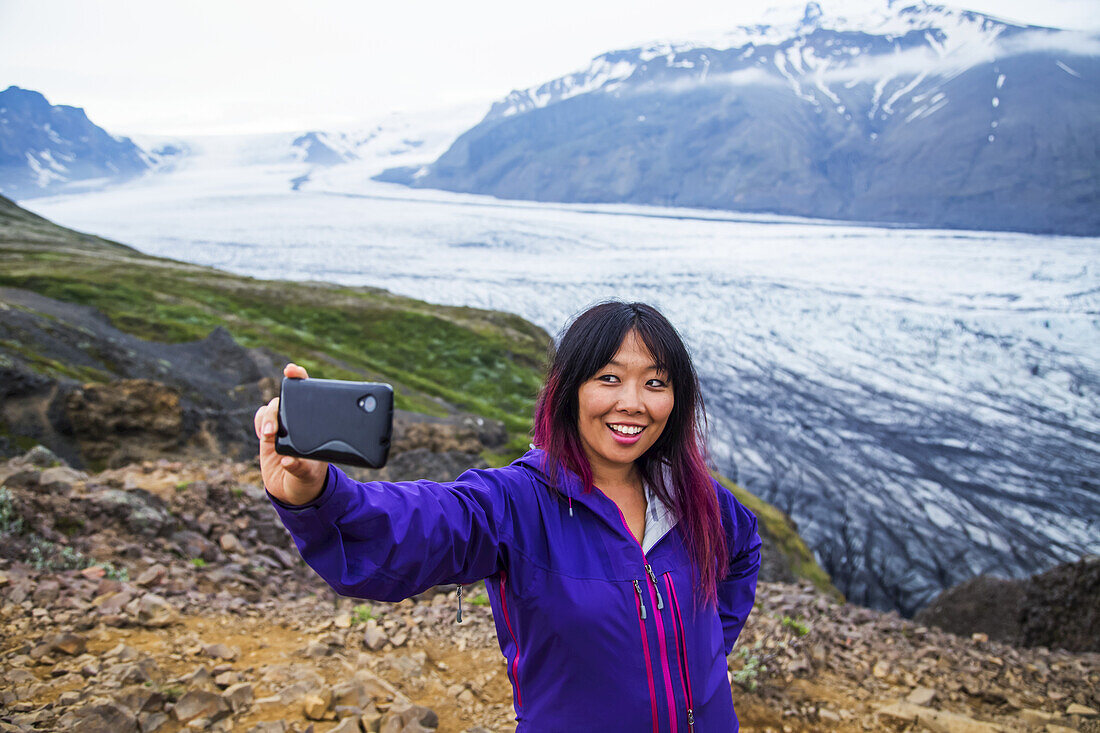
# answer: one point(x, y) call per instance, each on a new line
point(1070, 42)
point(927, 61)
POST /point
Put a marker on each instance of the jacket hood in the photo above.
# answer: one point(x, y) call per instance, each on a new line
point(538, 462)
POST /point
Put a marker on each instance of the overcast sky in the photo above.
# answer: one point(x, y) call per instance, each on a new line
point(209, 66)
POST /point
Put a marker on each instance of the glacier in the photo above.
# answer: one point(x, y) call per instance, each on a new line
point(923, 403)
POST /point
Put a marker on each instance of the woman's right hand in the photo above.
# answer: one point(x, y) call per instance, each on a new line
point(289, 479)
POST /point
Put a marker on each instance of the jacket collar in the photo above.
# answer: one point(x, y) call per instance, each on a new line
point(659, 517)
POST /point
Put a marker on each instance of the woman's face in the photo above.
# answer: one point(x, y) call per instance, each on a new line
point(623, 408)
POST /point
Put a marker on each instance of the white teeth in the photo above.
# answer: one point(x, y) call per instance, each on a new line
point(626, 429)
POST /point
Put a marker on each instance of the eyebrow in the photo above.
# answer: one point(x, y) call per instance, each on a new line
point(650, 368)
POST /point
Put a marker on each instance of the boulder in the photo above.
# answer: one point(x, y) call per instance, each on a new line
point(155, 612)
point(200, 704)
point(125, 420)
point(219, 651)
point(151, 576)
point(230, 543)
point(69, 643)
point(141, 512)
point(238, 696)
point(405, 717)
point(108, 718)
point(40, 457)
point(921, 696)
point(351, 694)
point(373, 636)
point(1059, 608)
point(315, 706)
point(60, 479)
point(140, 699)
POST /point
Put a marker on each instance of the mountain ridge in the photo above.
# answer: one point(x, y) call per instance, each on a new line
point(48, 148)
point(971, 123)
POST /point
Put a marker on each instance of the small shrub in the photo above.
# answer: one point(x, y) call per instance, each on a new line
point(361, 614)
point(798, 626)
point(480, 600)
point(45, 555)
point(198, 562)
point(237, 491)
point(115, 573)
point(182, 485)
point(781, 638)
point(750, 669)
point(172, 692)
point(49, 556)
point(10, 521)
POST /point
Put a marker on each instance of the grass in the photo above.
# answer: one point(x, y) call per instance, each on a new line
point(361, 614)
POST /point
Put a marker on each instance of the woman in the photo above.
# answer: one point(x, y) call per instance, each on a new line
point(619, 572)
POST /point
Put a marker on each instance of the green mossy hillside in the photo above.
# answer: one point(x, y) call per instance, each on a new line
point(484, 362)
point(438, 358)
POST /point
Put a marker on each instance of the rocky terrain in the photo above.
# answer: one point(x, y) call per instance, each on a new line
point(165, 596)
point(1058, 608)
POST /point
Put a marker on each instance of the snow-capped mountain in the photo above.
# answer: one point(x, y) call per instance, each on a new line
point(48, 149)
point(920, 114)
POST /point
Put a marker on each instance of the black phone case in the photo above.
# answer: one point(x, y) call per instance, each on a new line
point(330, 420)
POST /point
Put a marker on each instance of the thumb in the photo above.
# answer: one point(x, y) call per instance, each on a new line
point(308, 473)
point(294, 466)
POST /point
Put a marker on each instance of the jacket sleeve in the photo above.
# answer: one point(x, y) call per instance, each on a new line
point(737, 591)
point(388, 541)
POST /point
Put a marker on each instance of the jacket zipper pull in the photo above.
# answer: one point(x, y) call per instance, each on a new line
point(458, 591)
point(641, 603)
point(691, 719)
point(649, 570)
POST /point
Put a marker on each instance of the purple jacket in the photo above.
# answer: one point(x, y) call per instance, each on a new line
point(596, 634)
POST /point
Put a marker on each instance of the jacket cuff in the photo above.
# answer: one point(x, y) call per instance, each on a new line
point(312, 503)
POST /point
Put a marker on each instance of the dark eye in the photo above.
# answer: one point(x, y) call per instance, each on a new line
point(609, 378)
point(656, 383)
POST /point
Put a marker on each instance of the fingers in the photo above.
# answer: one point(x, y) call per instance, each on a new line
point(308, 477)
point(292, 464)
point(294, 371)
point(266, 421)
point(257, 421)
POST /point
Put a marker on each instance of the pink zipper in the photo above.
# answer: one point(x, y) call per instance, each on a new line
point(656, 600)
point(664, 660)
point(645, 649)
point(681, 647)
point(508, 623)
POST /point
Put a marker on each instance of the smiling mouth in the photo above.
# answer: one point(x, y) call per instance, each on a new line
point(626, 431)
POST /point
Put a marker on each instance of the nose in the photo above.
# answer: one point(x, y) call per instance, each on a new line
point(630, 400)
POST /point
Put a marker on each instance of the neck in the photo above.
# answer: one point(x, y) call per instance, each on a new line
point(614, 475)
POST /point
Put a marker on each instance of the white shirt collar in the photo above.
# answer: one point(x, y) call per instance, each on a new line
point(658, 519)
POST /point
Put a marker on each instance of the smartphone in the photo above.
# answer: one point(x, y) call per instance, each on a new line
point(335, 420)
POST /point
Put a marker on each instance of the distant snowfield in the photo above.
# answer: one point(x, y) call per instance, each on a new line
point(923, 403)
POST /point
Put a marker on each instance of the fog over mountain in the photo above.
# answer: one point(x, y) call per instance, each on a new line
point(922, 115)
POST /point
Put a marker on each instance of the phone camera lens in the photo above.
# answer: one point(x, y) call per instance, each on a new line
point(368, 403)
